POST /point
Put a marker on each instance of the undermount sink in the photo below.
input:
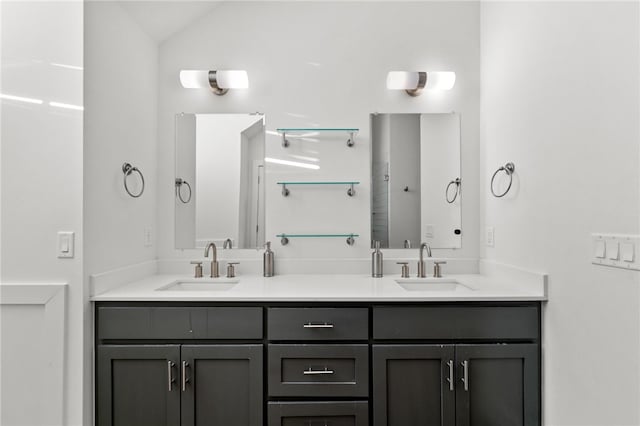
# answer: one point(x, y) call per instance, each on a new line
point(201, 284)
point(432, 284)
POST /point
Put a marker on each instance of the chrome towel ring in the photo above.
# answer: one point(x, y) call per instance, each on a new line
point(128, 169)
point(179, 183)
point(456, 182)
point(508, 168)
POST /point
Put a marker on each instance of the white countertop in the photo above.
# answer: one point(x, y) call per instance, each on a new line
point(326, 287)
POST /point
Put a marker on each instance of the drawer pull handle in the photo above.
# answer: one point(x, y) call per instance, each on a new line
point(312, 325)
point(315, 372)
point(465, 374)
point(185, 380)
point(170, 379)
point(450, 378)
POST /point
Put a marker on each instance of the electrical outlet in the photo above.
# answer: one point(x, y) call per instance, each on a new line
point(429, 231)
point(148, 237)
point(490, 236)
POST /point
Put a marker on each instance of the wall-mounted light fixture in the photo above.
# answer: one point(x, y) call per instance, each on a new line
point(218, 81)
point(414, 82)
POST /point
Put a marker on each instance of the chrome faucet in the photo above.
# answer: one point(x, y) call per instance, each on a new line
point(214, 259)
point(422, 270)
point(407, 243)
point(227, 244)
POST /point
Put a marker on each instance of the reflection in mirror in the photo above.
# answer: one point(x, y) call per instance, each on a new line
point(416, 186)
point(219, 193)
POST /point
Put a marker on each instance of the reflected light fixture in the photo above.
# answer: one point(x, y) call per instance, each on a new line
point(414, 82)
point(218, 81)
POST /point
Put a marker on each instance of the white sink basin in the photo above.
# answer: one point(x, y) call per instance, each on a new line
point(432, 284)
point(201, 284)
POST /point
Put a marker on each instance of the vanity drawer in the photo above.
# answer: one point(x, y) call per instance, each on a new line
point(330, 413)
point(456, 322)
point(319, 370)
point(118, 322)
point(318, 323)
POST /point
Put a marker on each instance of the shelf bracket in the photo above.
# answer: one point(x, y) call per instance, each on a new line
point(352, 139)
point(285, 191)
point(351, 241)
point(285, 141)
point(351, 191)
point(284, 240)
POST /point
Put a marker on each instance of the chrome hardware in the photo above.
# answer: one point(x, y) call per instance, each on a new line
point(179, 183)
point(351, 141)
point(285, 141)
point(437, 269)
point(127, 169)
point(465, 374)
point(285, 191)
point(508, 168)
point(312, 325)
point(185, 364)
point(450, 378)
point(351, 191)
point(170, 379)
point(228, 244)
point(312, 372)
point(350, 240)
point(231, 270)
point(198, 272)
point(456, 182)
point(214, 260)
point(422, 270)
point(407, 244)
point(405, 269)
point(284, 241)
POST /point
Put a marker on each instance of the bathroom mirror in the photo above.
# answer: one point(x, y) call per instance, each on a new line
point(219, 194)
point(416, 190)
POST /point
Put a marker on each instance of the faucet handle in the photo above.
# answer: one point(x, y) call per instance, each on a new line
point(231, 272)
point(198, 272)
point(405, 269)
point(437, 270)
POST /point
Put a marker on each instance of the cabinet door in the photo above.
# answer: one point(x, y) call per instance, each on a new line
point(413, 385)
point(497, 385)
point(221, 385)
point(138, 385)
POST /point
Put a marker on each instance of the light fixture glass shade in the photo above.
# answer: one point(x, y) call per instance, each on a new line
point(194, 79)
point(440, 80)
point(402, 80)
point(232, 79)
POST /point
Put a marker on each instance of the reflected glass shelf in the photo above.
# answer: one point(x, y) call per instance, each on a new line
point(284, 238)
point(350, 191)
point(290, 130)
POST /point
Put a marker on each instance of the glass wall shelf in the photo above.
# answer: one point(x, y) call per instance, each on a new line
point(293, 130)
point(350, 191)
point(284, 238)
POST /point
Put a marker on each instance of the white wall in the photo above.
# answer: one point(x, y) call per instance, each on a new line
point(560, 98)
point(41, 193)
point(304, 75)
point(120, 126)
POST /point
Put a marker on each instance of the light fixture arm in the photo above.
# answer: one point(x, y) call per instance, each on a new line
point(422, 82)
point(213, 82)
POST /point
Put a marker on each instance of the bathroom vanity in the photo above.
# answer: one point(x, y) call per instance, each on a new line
point(354, 357)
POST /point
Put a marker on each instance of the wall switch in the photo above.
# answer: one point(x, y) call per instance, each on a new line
point(429, 231)
point(613, 249)
point(490, 236)
point(148, 237)
point(628, 252)
point(600, 249)
point(65, 244)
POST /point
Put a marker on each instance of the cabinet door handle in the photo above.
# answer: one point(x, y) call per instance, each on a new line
point(185, 364)
point(316, 325)
point(315, 372)
point(170, 379)
point(450, 378)
point(465, 375)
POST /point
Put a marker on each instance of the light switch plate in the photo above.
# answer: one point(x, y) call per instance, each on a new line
point(66, 244)
point(490, 236)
